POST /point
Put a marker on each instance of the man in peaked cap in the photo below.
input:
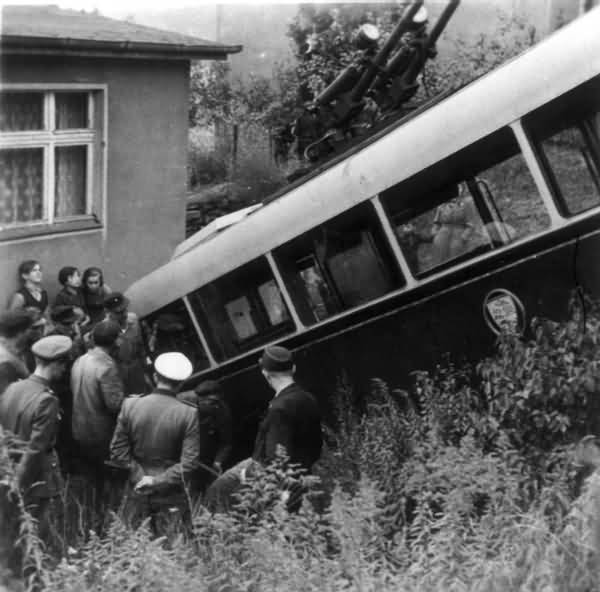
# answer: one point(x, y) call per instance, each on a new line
point(292, 425)
point(157, 439)
point(15, 329)
point(131, 357)
point(29, 409)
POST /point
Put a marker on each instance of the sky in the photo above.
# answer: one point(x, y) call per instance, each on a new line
point(109, 7)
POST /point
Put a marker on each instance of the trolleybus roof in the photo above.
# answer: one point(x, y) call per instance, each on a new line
point(564, 60)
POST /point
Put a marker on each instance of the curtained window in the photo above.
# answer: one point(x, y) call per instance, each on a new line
point(48, 140)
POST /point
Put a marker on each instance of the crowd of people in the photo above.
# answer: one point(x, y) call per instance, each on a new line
point(75, 388)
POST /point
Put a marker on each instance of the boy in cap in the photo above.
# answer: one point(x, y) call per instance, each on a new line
point(131, 356)
point(65, 321)
point(292, 423)
point(157, 439)
point(29, 409)
point(15, 329)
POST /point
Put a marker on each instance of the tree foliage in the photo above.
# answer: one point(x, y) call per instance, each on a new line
point(217, 96)
point(324, 39)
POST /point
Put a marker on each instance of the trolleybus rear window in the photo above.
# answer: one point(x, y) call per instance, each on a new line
point(476, 200)
point(566, 135)
point(171, 329)
point(338, 265)
point(241, 310)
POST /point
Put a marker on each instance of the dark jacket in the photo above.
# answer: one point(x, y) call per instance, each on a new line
point(293, 421)
point(67, 298)
point(30, 410)
point(157, 435)
point(12, 367)
point(131, 358)
point(215, 429)
point(97, 397)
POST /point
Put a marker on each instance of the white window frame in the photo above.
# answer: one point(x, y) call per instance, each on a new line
point(93, 137)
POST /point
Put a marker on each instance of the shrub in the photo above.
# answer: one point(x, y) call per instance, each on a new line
point(446, 487)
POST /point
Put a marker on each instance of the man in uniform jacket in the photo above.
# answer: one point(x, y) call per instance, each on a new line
point(292, 423)
point(157, 439)
point(97, 397)
point(29, 409)
point(15, 328)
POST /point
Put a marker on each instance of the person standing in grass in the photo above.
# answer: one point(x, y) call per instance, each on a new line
point(97, 398)
point(157, 440)
point(292, 424)
point(30, 410)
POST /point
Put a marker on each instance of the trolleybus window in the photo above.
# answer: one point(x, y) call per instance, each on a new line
point(171, 329)
point(566, 135)
point(241, 310)
point(338, 265)
point(488, 199)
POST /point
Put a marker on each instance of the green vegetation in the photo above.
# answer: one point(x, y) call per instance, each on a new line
point(246, 114)
point(464, 483)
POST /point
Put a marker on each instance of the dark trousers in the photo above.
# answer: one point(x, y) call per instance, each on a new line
point(167, 515)
point(98, 489)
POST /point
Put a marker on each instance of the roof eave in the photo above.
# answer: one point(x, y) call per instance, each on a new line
point(23, 45)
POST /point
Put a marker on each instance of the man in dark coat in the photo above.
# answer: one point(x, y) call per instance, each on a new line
point(64, 322)
point(97, 397)
point(292, 424)
point(29, 409)
point(15, 328)
point(131, 357)
point(214, 420)
point(157, 440)
point(293, 420)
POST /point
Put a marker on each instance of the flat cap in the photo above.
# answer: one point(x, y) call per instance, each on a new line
point(116, 302)
point(276, 359)
point(173, 366)
point(13, 322)
point(64, 313)
point(105, 333)
point(52, 347)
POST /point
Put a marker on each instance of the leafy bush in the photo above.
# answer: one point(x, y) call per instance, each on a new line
point(445, 487)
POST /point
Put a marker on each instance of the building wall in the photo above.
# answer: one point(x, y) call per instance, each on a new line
point(146, 170)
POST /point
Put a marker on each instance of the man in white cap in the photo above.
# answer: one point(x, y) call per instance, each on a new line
point(157, 439)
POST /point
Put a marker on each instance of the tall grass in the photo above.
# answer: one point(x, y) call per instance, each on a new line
point(442, 488)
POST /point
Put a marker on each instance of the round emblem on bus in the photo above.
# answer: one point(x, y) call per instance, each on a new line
point(503, 311)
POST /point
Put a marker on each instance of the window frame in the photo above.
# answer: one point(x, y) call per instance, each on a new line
point(93, 138)
point(583, 127)
point(364, 221)
point(266, 331)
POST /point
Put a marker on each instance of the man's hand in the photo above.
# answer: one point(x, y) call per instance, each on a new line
point(218, 468)
point(144, 485)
